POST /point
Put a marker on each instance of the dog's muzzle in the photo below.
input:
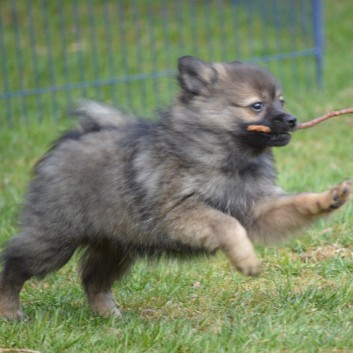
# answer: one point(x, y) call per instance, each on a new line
point(290, 121)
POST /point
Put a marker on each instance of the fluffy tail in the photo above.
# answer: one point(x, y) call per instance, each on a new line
point(94, 116)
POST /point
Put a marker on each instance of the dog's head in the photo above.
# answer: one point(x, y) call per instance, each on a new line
point(232, 96)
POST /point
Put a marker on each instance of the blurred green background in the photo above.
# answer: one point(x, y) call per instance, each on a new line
point(125, 52)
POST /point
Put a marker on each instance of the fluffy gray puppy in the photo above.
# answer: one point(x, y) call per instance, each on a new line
point(195, 181)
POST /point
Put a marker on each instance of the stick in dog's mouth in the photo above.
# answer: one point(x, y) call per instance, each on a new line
point(259, 128)
point(311, 123)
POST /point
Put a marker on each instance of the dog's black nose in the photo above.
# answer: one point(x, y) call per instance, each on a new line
point(290, 120)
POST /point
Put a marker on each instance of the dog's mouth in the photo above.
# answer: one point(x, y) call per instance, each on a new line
point(271, 136)
point(279, 139)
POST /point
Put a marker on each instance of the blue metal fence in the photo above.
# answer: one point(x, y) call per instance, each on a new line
point(124, 52)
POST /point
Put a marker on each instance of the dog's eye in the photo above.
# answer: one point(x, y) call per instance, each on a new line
point(257, 107)
point(282, 101)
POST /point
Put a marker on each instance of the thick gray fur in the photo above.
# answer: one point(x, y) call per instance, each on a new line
point(120, 188)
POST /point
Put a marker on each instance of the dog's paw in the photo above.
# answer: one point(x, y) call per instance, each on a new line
point(102, 304)
point(107, 311)
point(250, 266)
point(10, 307)
point(12, 315)
point(339, 194)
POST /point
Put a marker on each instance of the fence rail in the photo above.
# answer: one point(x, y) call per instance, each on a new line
point(124, 52)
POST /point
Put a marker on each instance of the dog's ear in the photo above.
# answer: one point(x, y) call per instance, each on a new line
point(195, 76)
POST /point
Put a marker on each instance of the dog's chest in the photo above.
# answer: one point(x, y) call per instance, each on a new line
point(236, 193)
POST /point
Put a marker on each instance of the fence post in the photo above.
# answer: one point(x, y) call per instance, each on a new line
point(318, 39)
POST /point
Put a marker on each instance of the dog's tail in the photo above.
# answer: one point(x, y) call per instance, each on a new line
point(96, 116)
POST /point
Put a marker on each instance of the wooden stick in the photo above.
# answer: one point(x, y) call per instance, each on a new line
point(259, 128)
point(320, 119)
point(324, 117)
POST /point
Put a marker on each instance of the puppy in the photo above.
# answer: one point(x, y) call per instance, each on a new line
point(193, 182)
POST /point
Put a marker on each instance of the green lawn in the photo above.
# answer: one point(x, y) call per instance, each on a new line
point(303, 302)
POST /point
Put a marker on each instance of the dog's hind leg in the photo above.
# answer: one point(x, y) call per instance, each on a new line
point(102, 264)
point(28, 255)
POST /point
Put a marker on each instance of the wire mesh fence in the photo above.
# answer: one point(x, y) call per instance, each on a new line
point(125, 51)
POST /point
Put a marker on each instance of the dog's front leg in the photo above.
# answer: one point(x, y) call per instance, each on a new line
point(200, 226)
point(280, 216)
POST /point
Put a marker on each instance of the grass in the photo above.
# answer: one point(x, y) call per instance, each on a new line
point(303, 302)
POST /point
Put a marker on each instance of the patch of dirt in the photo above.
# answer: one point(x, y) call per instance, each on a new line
point(325, 252)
